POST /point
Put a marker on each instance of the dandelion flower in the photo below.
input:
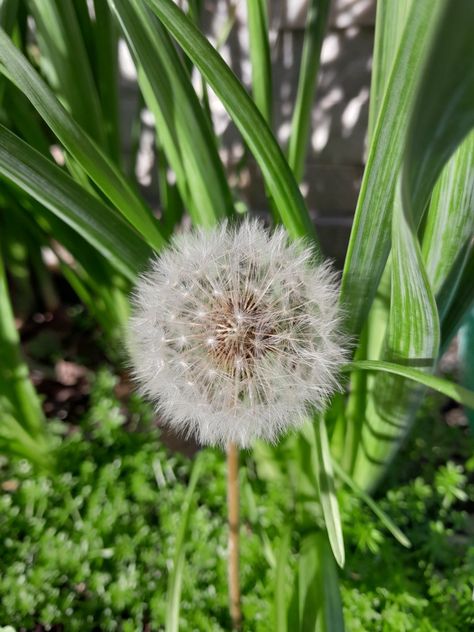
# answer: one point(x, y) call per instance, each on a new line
point(235, 334)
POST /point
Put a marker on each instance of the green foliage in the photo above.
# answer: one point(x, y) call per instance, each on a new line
point(94, 543)
point(386, 588)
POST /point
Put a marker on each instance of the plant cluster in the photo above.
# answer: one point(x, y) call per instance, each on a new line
point(93, 545)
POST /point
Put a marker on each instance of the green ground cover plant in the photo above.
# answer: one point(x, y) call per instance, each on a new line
point(92, 545)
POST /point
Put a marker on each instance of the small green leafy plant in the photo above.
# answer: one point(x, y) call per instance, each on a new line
point(92, 545)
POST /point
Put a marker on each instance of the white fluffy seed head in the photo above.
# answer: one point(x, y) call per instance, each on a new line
point(235, 334)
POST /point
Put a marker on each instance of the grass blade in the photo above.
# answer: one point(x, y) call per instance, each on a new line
point(260, 57)
point(107, 74)
point(310, 60)
point(320, 605)
point(279, 179)
point(102, 227)
point(15, 383)
point(176, 576)
point(389, 24)
point(454, 391)
point(327, 491)
point(63, 50)
point(103, 172)
point(279, 604)
point(381, 515)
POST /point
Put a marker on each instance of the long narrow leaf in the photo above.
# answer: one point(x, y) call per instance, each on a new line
point(381, 515)
point(14, 440)
point(319, 605)
point(176, 575)
point(454, 391)
point(450, 220)
point(8, 16)
point(389, 24)
point(310, 60)
point(280, 608)
point(260, 57)
point(279, 179)
point(413, 339)
point(98, 224)
point(101, 170)
point(15, 383)
point(345, 439)
point(106, 45)
point(327, 492)
point(63, 50)
point(464, 298)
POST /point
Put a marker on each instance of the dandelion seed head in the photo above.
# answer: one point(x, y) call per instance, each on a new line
point(235, 334)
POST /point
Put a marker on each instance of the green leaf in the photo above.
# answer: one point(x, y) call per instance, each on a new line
point(450, 220)
point(63, 50)
point(464, 298)
point(381, 515)
point(444, 110)
point(260, 57)
point(24, 120)
point(184, 132)
point(413, 331)
point(447, 238)
point(389, 24)
point(102, 227)
point(345, 438)
point(369, 243)
point(96, 282)
point(8, 18)
point(319, 607)
point(279, 603)
point(454, 391)
point(279, 179)
point(412, 338)
point(100, 169)
point(15, 383)
point(317, 436)
point(107, 74)
point(176, 576)
point(315, 29)
point(16, 441)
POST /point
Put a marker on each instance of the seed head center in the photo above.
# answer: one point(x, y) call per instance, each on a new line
point(239, 333)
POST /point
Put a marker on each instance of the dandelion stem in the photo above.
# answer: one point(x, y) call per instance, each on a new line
point(233, 510)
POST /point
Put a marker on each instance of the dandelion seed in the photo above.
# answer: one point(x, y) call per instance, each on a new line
point(235, 334)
